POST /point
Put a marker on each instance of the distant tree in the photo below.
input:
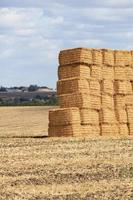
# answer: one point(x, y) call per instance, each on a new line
point(2, 89)
point(32, 88)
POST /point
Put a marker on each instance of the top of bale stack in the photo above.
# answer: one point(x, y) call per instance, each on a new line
point(95, 56)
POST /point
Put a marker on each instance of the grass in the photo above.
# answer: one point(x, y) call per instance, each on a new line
point(60, 168)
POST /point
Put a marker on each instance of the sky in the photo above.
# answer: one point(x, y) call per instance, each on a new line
point(32, 32)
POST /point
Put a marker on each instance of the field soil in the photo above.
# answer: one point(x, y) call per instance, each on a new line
point(44, 169)
point(24, 121)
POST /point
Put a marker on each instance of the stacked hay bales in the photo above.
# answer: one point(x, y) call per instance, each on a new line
point(95, 90)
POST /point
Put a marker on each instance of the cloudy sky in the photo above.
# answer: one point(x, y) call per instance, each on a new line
point(32, 32)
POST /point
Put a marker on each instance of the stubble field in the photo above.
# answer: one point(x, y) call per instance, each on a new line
point(60, 168)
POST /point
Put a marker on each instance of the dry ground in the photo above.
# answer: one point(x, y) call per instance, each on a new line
point(72, 168)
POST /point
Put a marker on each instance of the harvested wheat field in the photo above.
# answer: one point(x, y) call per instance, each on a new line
point(72, 168)
point(24, 121)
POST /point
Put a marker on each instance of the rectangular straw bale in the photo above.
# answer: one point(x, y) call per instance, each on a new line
point(123, 87)
point(86, 130)
point(80, 100)
point(95, 102)
point(97, 56)
point(95, 87)
point(130, 126)
point(78, 55)
point(69, 130)
point(129, 99)
point(107, 116)
point(89, 116)
point(107, 101)
point(75, 70)
point(109, 129)
point(130, 114)
point(96, 72)
point(64, 116)
point(96, 130)
point(120, 101)
point(108, 57)
point(108, 72)
point(123, 58)
point(120, 73)
point(107, 86)
point(121, 115)
point(129, 73)
point(123, 129)
point(72, 85)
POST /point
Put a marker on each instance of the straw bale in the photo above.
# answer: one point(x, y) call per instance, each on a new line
point(95, 87)
point(96, 72)
point(72, 85)
point(89, 116)
point(130, 114)
point(97, 56)
point(120, 73)
point(129, 73)
point(108, 72)
point(96, 130)
point(130, 126)
point(69, 130)
point(109, 129)
point(78, 55)
point(121, 115)
point(107, 86)
point(75, 70)
point(86, 130)
point(64, 116)
point(107, 116)
point(123, 87)
point(108, 57)
point(95, 102)
point(107, 101)
point(120, 101)
point(129, 99)
point(90, 130)
point(80, 100)
point(123, 129)
point(123, 58)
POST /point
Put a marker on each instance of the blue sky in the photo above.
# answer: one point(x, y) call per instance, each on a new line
point(32, 32)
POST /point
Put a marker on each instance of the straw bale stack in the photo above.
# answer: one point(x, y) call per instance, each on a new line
point(97, 56)
point(67, 86)
point(108, 57)
point(95, 88)
point(130, 126)
point(107, 87)
point(75, 70)
point(123, 87)
point(93, 130)
point(107, 116)
point(72, 56)
point(108, 72)
point(80, 100)
point(123, 58)
point(107, 101)
point(89, 116)
point(69, 130)
point(64, 116)
point(96, 72)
